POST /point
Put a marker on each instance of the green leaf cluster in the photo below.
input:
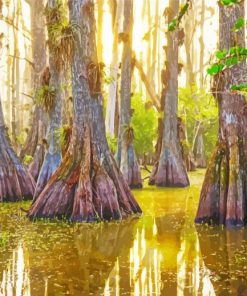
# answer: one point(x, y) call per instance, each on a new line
point(229, 2)
point(239, 24)
point(27, 159)
point(239, 87)
point(177, 20)
point(227, 59)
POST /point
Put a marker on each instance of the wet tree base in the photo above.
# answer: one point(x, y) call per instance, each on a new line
point(169, 174)
point(83, 189)
point(224, 191)
point(16, 184)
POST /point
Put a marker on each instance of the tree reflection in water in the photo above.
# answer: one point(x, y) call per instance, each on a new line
point(15, 276)
point(151, 256)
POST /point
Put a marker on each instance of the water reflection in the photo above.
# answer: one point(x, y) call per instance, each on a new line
point(151, 256)
point(15, 277)
point(145, 268)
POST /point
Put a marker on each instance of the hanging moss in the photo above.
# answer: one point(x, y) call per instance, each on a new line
point(45, 96)
point(128, 134)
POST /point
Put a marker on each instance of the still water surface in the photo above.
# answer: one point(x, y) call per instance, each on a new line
point(162, 253)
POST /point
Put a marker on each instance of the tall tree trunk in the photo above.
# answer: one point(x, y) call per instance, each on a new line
point(170, 170)
point(190, 29)
point(198, 142)
point(149, 43)
point(202, 45)
point(87, 186)
point(113, 87)
point(198, 146)
point(126, 157)
point(15, 61)
point(186, 150)
point(15, 182)
point(53, 154)
point(224, 192)
point(34, 143)
point(188, 43)
point(100, 4)
point(155, 45)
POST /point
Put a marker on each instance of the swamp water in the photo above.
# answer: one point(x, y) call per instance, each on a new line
point(162, 253)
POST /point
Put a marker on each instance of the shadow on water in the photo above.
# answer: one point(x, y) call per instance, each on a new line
point(163, 253)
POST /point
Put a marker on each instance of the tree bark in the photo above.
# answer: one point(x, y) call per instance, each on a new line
point(224, 192)
point(16, 184)
point(198, 146)
point(170, 171)
point(33, 145)
point(100, 4)
point(126, 157)
point(186, 151)
point(53, 155)
point(87, 186)
point(113, 87)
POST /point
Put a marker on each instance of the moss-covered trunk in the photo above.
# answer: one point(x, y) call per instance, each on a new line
point(126, 157)
point(170, 170)
point(87, 186)
point(224, 192)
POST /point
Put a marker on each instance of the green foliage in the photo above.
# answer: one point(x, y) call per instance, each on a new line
point(177, 20)
point(21, 138)
point(144, 123)
point(27, 159)
point(45, 96)
point(229, 2)
point(239, 24)
point(239, 87)
point(197, 106)
point(112, 142)
point(173, 25)
point(227, 59)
